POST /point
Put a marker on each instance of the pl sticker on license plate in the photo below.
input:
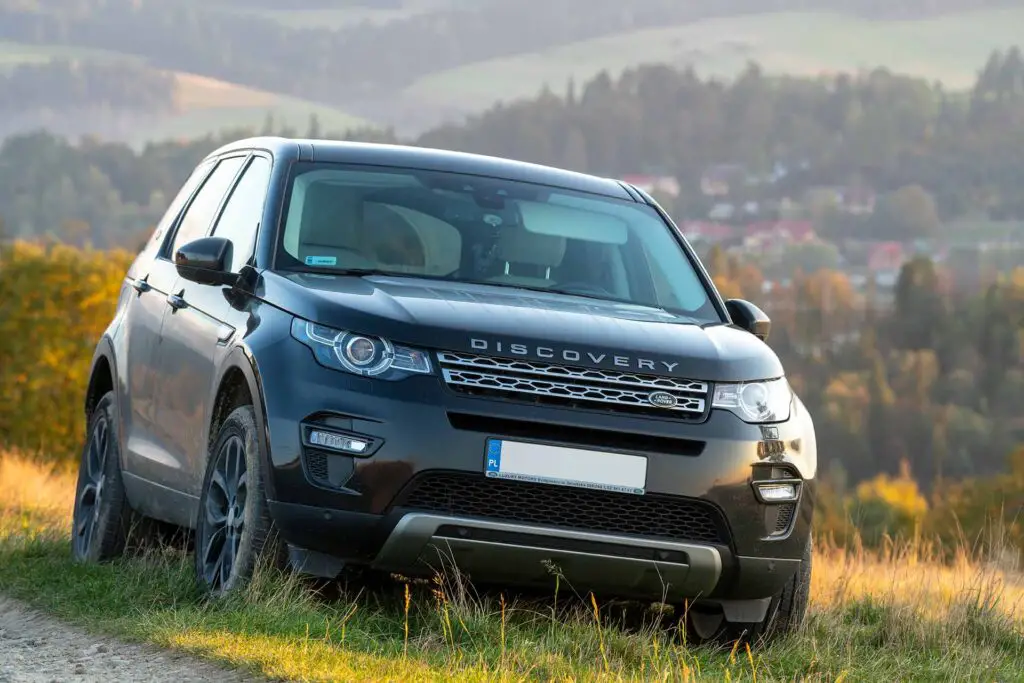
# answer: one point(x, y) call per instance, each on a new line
point(563, 466)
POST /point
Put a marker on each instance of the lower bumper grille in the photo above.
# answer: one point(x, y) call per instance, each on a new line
point(650, 515)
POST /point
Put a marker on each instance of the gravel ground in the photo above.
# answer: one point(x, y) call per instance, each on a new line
point(37, 649)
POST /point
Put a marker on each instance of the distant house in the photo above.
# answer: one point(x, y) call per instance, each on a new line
point(722, 211)
point(857, 200)
point(720, 179)
point(654, 183)
point(768, 235)
point(708, 231)
point(852, 199)
point(886, 256)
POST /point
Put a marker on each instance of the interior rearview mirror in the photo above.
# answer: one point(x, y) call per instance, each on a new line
point(748, 316)
point(205, 261)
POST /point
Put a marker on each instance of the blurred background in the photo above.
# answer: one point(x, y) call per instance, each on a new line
point(855, 167)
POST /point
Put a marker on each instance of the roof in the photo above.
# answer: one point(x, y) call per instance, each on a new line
point(427, 158)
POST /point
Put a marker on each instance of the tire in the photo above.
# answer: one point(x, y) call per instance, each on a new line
point(785, 615)
point(234, 530)
point(102, 518)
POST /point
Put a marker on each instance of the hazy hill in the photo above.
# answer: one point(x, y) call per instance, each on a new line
point(137, 70)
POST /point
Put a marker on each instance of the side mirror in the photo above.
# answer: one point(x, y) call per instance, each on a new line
point(748, 316)
point(206, 261)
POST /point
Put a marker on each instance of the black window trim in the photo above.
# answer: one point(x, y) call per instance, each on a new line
point(251, 156)
point(163, 254)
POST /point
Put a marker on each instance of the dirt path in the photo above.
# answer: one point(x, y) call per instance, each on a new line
point(37, 649)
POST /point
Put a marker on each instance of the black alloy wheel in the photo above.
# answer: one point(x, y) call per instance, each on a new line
point(102, 517)
point(224, 512)
point(234, 531)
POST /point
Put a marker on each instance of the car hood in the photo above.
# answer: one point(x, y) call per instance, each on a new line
point(517, 323)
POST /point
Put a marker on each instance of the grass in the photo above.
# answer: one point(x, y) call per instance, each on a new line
point(950, 48)
point(889, 616)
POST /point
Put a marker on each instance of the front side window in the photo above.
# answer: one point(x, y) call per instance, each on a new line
point(242, 213)
point(199, 214)
point(473, 229)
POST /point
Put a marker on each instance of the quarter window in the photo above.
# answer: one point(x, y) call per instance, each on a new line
point(198, 216)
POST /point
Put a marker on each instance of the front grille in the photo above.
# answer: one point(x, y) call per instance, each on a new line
point(650, 515)
point(571, 386)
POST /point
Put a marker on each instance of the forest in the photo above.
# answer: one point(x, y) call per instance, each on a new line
point(960, 152)
point(65, 83)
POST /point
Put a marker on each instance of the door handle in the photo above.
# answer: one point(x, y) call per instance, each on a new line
point(177, 301)
point(140, 285)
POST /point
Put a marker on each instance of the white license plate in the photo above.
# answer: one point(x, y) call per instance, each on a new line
point(566, 466)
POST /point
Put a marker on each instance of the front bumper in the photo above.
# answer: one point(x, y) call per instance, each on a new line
point(699, 531)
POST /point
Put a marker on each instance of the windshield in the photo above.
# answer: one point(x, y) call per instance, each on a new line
point(500, 232)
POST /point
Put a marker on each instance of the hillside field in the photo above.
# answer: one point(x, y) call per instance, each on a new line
point(889, 616)
point(203, 105)
point(303, 17)
point(948, 48)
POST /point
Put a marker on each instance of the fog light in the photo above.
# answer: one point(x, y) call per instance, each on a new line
point(337, 442)
point(777, 492)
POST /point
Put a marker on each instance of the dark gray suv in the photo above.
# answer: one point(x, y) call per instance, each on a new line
point(343, 355)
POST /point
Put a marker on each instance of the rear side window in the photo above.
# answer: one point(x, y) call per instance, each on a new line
point(199, 214)
point(167, 220)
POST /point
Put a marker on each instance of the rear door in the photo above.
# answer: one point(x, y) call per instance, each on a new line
point(141, 339)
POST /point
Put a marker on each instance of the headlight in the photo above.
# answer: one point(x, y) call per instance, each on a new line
point(757, 402)
point(359, 354)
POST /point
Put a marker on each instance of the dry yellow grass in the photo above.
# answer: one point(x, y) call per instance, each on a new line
point(35, 499)
point(890, 615)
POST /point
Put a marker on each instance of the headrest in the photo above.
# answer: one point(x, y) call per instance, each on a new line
point(332, 216)
point(518, 245)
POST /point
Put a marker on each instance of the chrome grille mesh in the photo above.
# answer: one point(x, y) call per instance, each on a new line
point(544, 382)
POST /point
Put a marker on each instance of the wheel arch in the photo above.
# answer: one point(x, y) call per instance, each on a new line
point(238, 384)
point(101, 381)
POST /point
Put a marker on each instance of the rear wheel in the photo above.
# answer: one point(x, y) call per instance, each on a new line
point(786, 612)
point(234, 531)
point(102, 518)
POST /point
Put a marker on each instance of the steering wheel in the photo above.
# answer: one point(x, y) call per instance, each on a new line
point(582, 288)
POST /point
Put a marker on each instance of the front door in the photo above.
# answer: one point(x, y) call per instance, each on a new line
point(198, 334)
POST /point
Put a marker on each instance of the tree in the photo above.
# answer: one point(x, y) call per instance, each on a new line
point(907, 214)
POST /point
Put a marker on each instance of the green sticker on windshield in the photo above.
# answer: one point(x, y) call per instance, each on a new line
point(321, 260)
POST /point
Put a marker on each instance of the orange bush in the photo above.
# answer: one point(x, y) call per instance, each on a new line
point(55, 302)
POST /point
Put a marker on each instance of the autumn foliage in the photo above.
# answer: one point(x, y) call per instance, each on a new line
point(55, 302)
point(916, 399)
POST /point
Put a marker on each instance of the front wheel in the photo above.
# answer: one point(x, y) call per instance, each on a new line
point(234, 531)
point(786, 612)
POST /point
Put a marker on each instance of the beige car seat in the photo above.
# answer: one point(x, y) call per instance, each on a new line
point(332, 227)
point(528, 257)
